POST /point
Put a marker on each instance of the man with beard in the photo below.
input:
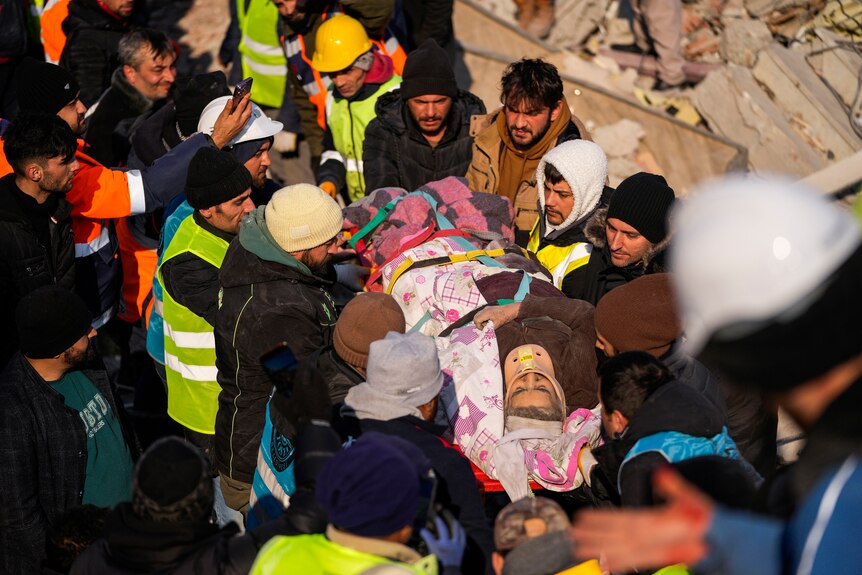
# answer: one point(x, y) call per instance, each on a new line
point(35, 231)
point(218, 189)
point(422, 131)
point(506, 152)
point(62, 441)
point(275, 287)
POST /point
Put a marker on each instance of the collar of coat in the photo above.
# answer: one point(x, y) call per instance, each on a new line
point(387, 549)
point(137, 101)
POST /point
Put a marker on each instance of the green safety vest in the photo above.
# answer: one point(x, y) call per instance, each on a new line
point(261, 52)
point(317, 555)
point(347, 122)
point(190, 358)
point(559, 260)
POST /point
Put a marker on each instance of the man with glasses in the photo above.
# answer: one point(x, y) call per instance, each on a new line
point(275, 287)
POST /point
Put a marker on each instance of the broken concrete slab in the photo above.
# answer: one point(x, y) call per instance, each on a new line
point(619, 139)
point(836, 63)
point(805, 100)
point(741, 40)
point(734, 106)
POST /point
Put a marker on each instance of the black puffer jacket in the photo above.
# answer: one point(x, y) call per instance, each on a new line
point(90, 54)
point(600, 275)
point(267, 297)
point(395, 152)
point(25, 263)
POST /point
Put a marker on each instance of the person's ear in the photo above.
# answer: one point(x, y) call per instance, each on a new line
point(619, 420)
point(555, 113)
point(131, 74)
point(34, 172)
point(207, 213)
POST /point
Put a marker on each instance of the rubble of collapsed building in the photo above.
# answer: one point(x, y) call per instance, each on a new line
point(780, 78)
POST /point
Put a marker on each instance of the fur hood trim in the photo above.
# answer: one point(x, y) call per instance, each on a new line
point(595, 232)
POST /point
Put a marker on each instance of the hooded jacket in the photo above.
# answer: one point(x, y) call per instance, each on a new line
point(396, 154)
point(600, 275)
point(92, 39)
point(267, 297)
point(485, 171)
point(25, 262)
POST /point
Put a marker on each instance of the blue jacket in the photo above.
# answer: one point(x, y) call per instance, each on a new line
point(822, 538)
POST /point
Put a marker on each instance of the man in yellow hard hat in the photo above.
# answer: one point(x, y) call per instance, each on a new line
point(360, 75)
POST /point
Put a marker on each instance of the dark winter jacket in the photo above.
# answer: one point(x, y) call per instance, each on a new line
point(396, 153)
point(134, 546)
point(191, 281)
point(600, 275)
point(109, 130)
point(673, 407)
point(337, 373)
point(30, 258)
point(43, 447)
point(694, 374)
point(267, 297)
point(457, 488)
point(92, 39)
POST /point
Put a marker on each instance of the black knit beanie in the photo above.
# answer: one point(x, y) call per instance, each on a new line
point(820, 335)
point(643, 201)
point(43, 87)
point(428, 71)
point(172, 483)
point(215, 177)
point(193, 96)
point(50, 320)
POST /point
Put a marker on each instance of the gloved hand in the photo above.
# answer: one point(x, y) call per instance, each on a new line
point(329, 188)
point(447, 547)
point(284, 142)
point(351, 276)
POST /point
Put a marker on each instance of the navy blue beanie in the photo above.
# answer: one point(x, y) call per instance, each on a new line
point(370, 488)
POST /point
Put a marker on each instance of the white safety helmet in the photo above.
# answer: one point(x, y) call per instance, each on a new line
point(259, 125)
point(747, 251)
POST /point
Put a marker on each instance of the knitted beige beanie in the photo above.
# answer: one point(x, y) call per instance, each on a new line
point(301, 217)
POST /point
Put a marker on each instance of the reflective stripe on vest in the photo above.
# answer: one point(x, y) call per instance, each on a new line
point(190, 359)
point(559, 260)
point(316, 84)
point(261, 52)
point(347, 121)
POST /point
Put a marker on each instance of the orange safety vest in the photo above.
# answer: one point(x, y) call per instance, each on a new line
point(139, 268)
point(51, 22)
point(98, 195)
point(314, 83)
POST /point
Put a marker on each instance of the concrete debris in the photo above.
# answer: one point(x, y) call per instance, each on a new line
point(761, 8)
point(576, 21)
point(741, 40)
point(798, 91)
point(736, 107)
point(838, 64)
point(620, 139)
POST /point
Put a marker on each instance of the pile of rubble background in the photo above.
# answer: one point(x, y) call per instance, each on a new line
point(780, 77)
